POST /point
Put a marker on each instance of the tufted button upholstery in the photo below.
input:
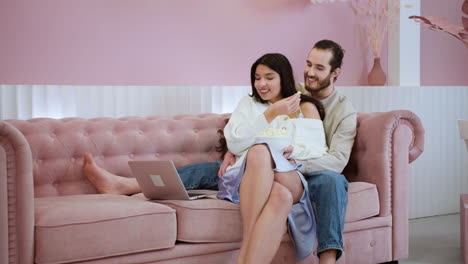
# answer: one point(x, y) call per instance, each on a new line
point(58, 145)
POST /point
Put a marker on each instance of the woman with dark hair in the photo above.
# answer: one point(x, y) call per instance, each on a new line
point(270, 190)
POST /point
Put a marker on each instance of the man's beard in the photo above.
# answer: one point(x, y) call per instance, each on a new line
point(321, 84)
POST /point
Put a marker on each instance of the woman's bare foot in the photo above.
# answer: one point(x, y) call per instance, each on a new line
point(106, 182)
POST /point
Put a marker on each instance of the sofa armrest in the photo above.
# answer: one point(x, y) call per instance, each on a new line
point(16, 197)
point(385, 145)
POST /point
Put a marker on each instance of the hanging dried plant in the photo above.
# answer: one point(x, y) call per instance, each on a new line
point(442, 25)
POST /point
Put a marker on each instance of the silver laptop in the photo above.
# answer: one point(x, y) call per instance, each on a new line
point(159, 180)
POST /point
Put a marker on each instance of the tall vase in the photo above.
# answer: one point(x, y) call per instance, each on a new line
point(376, 76)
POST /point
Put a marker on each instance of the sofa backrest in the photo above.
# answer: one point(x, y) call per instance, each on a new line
point(58, 145)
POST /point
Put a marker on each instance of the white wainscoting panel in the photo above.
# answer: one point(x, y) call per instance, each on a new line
point(440, 174)
point(31, 101)
point(436, 179)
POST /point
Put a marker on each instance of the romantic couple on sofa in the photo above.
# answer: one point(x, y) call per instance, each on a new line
point(275, 188)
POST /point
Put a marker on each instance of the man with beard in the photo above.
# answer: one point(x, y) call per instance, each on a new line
point(327, 187)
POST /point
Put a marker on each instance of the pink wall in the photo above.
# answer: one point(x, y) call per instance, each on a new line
point(444, 59)
point(167, 42)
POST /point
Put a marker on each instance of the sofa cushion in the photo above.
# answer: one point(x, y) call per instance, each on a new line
point(207, 220)
point(82, 227)
point(363, 201)
point(212, 220)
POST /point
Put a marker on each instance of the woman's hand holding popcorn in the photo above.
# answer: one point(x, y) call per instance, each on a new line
point(284, 106)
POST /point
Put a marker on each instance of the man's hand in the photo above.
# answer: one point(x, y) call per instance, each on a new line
point(287, 153)
point(228, 160)
point(286, 106)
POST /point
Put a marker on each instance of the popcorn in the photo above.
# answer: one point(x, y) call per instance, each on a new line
point(271, 132)
point(299, 92)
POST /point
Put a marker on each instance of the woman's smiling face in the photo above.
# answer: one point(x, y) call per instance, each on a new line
point(268, 84)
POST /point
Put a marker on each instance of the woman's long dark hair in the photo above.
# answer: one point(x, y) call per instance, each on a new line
point(222, 147)
point(280, 64)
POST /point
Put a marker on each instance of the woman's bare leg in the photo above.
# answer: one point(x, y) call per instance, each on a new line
point(106, 182)
point(292, 182)
point(270, 226)
point(254, 191)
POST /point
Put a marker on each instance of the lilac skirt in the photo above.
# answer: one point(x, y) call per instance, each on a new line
point(301, 219)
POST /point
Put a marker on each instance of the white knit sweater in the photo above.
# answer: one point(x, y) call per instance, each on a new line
point(247, 121)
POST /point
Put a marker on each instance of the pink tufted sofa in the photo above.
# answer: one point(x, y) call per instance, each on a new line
point(50, 213)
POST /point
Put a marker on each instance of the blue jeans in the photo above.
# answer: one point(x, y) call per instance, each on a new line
point(329, 191)
point(202, 175)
